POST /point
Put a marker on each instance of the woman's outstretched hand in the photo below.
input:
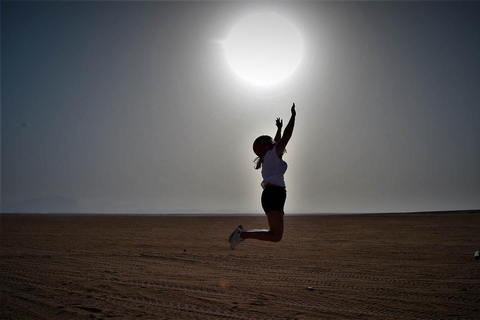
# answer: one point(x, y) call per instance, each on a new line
point(294, 113)
point(279, 123)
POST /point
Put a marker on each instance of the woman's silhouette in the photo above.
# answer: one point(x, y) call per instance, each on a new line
point(269, 157)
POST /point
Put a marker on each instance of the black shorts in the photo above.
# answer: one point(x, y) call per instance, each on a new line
point(273, 198)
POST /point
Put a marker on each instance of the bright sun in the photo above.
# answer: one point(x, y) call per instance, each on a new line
point(264, 48)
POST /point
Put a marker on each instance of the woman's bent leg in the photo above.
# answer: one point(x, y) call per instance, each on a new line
point(275, 234)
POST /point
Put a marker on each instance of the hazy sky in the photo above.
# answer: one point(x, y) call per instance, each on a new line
point(132, 107)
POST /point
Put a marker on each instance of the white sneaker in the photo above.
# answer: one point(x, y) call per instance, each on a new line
point(235, 237)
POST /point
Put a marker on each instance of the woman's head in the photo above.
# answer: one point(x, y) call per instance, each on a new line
point(262, 144)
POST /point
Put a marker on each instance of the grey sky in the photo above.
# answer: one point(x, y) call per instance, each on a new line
point(131, 107)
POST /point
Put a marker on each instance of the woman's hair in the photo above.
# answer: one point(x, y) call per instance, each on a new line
point(257, 143)
point(258, 162)
point(259, 159)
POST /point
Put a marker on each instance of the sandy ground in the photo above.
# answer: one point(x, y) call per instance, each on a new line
point(410, 266)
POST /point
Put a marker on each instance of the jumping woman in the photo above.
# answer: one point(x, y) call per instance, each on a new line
point(269, 157)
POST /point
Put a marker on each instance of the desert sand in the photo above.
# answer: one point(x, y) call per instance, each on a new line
point(388, 266)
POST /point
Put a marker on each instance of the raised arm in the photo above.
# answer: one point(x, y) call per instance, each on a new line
point(279, 124)
point(287, 133)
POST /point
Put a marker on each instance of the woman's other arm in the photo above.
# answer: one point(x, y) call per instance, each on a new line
point(279, 124)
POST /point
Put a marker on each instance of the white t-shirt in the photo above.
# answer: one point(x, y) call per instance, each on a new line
point(273, 169)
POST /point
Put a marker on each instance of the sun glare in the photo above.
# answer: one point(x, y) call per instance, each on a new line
point(264, 48)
